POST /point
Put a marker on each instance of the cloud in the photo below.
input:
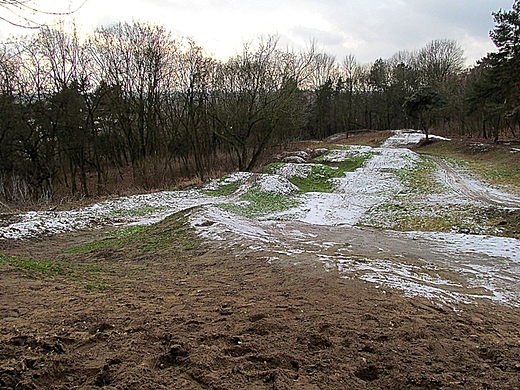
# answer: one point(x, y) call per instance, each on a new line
point(368, 29)
point(383, 27)
point(323, 37)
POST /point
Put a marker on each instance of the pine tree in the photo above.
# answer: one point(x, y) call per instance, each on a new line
point(504, 65)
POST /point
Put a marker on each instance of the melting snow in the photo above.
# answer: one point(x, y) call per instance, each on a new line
point(407, 137)
point(277, 184)
point(357, 192)
point(143, 209)
point(487, 266)
point(348, 152)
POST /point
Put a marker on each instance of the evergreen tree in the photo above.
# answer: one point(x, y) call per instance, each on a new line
point(503, 67)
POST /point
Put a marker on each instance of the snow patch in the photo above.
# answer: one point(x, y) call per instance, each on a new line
point(277, 184)
point(407, 137)
point(215, 184)
point(456, 243)
point(489, 265)
point(346, 153)
point(294, 170)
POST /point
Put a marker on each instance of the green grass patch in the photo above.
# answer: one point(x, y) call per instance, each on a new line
point(224, 188)
point(46, 267)
point(319, 180)
point(431, 218)
point(420, 179)
point(352, 163)
point(256, 203)
point(42, 266)
point(172, 231)
point(117, 239)
point(93, 246)
point(273, 168)
point(502, 172)
point(129, 231)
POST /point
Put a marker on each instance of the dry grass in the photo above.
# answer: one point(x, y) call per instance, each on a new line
point(366, 138)
point(151, 175)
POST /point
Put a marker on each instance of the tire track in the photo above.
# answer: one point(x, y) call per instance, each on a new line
point(472, 189)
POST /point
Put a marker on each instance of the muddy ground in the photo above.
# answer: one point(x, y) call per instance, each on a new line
point(163, 309)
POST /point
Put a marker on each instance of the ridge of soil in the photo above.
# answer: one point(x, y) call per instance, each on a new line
point(167, 310)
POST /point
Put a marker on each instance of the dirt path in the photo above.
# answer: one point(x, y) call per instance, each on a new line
point(447, 267)
point(215, 317)
point(469, 188)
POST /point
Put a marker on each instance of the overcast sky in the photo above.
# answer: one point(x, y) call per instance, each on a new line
point(368, 29)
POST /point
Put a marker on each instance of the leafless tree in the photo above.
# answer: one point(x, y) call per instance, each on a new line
point(25, 13)
point(255, 93)
point(439, 61)
point(134, 61)
point(194, 73)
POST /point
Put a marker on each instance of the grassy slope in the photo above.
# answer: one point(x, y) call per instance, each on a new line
point(171, 237)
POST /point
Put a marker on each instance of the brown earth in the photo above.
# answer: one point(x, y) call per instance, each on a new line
point(162, 309)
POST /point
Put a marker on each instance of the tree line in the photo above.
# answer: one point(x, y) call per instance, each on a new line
point(132, 103)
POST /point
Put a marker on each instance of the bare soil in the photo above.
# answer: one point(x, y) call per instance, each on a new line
point(164, 309)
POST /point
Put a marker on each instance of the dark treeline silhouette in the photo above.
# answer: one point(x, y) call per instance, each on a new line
point(133, 105)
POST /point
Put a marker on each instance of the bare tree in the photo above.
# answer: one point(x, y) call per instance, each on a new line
point(194, 74)
point(67, 104)
point(133, 61)
point(25, 13)
point(351, 81)
point(439, 61)
point(8, 122)
point(253, 94)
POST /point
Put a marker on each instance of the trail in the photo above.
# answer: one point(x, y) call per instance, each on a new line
point(324, 227)
point(471, 189)
point(445, 266)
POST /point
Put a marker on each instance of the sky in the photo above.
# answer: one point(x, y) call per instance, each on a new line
point(366, 29)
